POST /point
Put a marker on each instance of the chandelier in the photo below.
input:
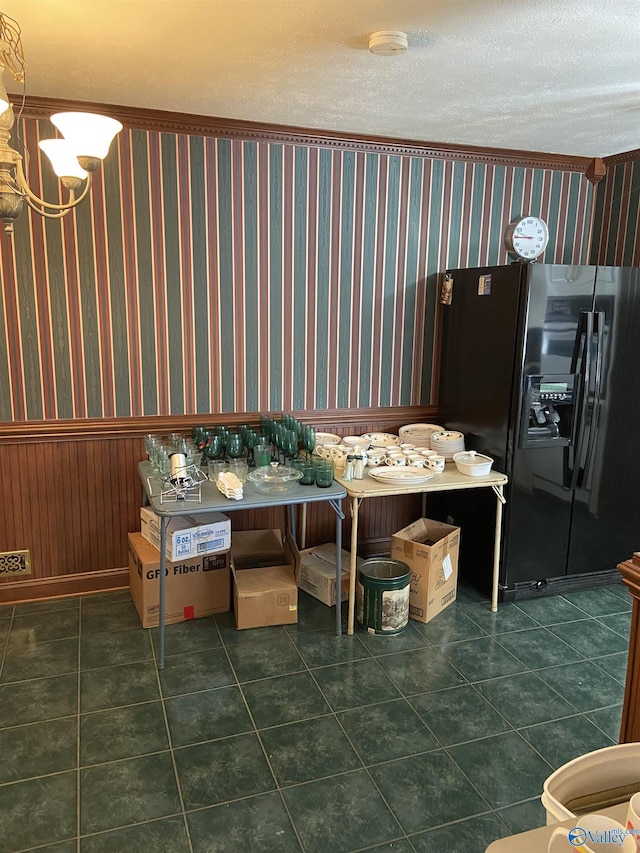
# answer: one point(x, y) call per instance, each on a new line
point(85, 142)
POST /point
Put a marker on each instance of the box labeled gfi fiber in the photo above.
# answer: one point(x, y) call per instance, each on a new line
point(200, 586)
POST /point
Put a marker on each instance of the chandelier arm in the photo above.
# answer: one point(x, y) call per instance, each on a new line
point(44, 213)
point(30, 195)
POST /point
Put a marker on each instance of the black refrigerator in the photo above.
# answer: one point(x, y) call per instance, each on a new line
point(540, 369)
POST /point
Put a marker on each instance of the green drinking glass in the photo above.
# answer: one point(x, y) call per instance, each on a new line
point(324, 474)
point(234, 445)
point(262, 455)
point(308, 438)
point(213, 447)
point(308, 470)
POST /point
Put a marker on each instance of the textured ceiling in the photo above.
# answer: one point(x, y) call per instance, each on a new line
point(556, 76)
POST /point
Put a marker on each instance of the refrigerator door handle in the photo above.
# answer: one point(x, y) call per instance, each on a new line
point(597, 334)
point(581, 365)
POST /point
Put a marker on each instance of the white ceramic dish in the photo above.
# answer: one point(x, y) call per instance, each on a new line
point(447, 443)
point(472, 464)
point(423, 431)
point(447, 435)
point(327, 438)
point(358, 441)
point(400, 475)
point(381, 439)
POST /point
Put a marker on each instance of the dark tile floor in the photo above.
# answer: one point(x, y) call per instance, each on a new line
point(290, 739)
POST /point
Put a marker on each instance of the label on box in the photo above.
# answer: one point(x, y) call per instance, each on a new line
point(188, 536)
point(447, 567)
point(214, 561)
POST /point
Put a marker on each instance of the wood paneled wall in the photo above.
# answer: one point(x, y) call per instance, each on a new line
point(70, 493)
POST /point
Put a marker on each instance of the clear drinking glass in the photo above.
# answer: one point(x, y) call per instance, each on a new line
point(239, 467)
point(215, 467)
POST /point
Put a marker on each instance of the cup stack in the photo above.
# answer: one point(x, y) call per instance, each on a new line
point(229, 485)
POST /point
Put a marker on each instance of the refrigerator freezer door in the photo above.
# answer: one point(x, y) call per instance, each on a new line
point(606, 515)
point(477, 368)
point(480, 335)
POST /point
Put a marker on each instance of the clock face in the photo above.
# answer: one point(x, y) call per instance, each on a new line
point(527, 237)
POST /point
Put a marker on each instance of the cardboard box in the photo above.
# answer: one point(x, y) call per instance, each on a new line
point(315, 570)
point(194, 588)
point(188, 535)
point(266, 595)
point(430, 549)
point(253, 549)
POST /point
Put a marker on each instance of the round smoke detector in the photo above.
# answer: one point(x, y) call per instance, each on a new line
point(387, 42)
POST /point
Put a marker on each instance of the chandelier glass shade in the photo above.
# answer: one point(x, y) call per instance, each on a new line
point(84, 143)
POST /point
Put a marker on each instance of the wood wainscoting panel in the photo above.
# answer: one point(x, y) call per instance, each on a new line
point(70, 493)
point(70, 503)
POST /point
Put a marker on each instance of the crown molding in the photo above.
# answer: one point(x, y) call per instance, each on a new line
point(139, 118)
point(625, 157)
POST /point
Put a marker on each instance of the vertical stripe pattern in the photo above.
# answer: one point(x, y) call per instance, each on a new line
point(205, 275)
point(616, 227)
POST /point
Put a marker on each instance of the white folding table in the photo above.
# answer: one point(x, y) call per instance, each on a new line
point(449, 480)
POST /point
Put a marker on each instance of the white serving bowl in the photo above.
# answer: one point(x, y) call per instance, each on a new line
point(357, 442)
point(327, 438)
point(472, 464)
point(381, 439)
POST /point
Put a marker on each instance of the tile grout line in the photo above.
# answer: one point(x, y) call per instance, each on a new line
point(407, 698)
point(336, 714)
point(78, 722)
point(353, 746)
point(260, 741)
point(507, 721)
point(331, 713)
point(515, 729)
point(5, 646)
point(170, 740)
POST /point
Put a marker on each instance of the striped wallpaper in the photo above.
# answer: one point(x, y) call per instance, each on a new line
point(211, 275)
point(616, 227)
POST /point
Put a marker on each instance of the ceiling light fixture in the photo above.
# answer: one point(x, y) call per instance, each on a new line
point(388, 43)
point(85, 143)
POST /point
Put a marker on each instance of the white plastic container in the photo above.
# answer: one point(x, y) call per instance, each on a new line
point(472, 464)
point(592, 781)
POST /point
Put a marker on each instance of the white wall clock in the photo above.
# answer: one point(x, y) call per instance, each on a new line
point(526, 237)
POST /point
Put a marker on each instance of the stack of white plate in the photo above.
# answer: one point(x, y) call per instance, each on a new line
point(381, 439)
point(400, 476)
point(419, 434)
point(447, 442)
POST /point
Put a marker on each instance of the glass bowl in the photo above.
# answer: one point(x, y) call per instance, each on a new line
point(274, 479)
